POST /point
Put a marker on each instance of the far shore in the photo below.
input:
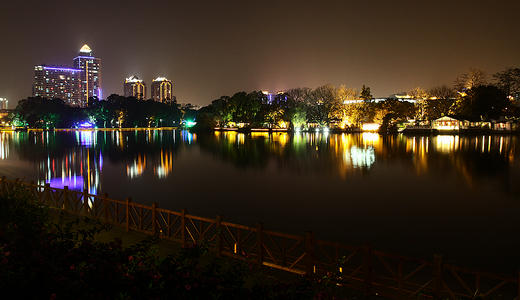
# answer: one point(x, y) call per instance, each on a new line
point(422, 132)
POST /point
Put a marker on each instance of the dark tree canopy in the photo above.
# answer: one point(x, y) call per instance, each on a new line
point(116, 111)
point(484, 102)
point(509, 82)
point(365, 93)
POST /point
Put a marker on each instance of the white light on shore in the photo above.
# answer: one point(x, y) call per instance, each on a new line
point(371, 127)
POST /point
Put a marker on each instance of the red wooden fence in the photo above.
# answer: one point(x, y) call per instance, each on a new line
point(359, 267)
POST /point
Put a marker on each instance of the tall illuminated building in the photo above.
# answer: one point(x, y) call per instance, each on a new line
point(57, 82)
point(90, 76)
point(135, 87)
point(72, 85)
point(162, 90)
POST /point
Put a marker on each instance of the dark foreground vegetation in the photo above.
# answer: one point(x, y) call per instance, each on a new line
point(45, 255)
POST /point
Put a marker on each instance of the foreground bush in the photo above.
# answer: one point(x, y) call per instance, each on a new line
point(49, 258)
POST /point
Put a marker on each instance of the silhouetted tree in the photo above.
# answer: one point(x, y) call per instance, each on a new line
point(509, 82)
point(469, 80)
point(484, 102)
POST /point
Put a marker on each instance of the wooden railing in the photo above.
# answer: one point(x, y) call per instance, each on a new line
point(360, 267)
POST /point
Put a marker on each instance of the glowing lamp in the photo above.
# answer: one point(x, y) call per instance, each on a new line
point(370, 127)
point(190, 123)
point(85, 125)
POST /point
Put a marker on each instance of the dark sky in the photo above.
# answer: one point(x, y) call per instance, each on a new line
point(216, 48)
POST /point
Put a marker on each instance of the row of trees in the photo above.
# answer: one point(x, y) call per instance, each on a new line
point(472, 97)
point(115, 111)
point(297, 108)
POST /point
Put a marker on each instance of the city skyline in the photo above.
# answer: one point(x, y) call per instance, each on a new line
point(389, 47)
point(73, 85)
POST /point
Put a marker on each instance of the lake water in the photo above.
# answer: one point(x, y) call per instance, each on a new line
point(457, 196)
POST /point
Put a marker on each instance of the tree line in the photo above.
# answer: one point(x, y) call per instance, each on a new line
point(472, 97)
point(114, 112)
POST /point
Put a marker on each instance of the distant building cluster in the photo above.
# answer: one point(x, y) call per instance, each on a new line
point(161, 89)
point(73, 85)
point(271, 96)
point(403, 97)
point(134, 87)
point(3, 103)
point(80, 83)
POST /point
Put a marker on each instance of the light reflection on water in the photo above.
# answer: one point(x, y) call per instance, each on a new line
point(59, 158)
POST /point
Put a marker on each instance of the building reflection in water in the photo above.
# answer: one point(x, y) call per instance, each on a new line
point(86, 138)
point(350, 153)
point(4, 144)
point(78, 168)
point(161, 169)
point(137, 168)
point(75, 159)
point(165, 166)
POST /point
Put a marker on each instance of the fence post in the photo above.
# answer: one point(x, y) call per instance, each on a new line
point(367, 265)
point(65, 198)
point(35, 189)
point(86, 201)
point(46, 195)
point(128, 200)
point(183, 227)
point(260, 243)
point(218, 229)
point(309, 251)
point(437, 276)
point(4, 186)
point(518, 293)
point(400, 275)
point(105, 207)
point(154, 217)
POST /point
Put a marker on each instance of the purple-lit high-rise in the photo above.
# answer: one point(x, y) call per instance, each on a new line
point(57, 82)
point(91, 75)
point(73, 85)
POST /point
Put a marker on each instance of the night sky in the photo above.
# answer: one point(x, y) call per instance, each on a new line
point(215, 48)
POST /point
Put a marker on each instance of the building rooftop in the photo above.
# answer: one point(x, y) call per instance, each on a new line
point(85, 49)
point(133, 78)
point(56, 68)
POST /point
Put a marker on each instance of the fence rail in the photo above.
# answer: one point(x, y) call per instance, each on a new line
point(360, 267)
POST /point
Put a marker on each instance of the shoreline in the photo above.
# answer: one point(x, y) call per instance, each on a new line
point(422, 132)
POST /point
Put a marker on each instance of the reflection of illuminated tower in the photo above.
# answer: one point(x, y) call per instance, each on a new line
point(135, 87)
point(90, 83)
point(79, 168)
point(162, 90)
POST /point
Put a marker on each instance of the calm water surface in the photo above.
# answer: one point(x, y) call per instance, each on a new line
point(458, 196)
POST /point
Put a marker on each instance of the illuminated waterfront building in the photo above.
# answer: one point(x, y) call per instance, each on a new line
point(135, 87)
point(162, 90)
point(3, 103)
point(72, 85)
point(275, 97)
point(57, 82)
point(90, 77)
